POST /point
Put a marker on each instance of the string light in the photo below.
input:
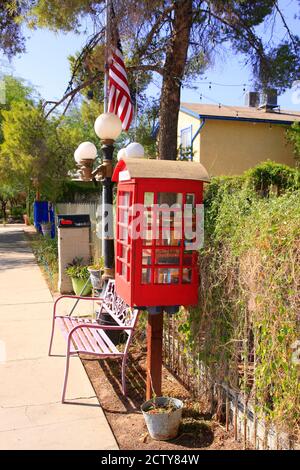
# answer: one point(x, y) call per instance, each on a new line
point(240, 85)
point(221, 105)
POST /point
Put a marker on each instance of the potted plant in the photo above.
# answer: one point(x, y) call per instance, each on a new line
point(96, 272)
point(79, 274)
point(162, 416)
point(46, 229)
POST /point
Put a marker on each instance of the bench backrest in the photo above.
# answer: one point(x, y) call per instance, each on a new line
point(117, 307)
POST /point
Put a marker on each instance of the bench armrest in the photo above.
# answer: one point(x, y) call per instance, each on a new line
point(75, 297)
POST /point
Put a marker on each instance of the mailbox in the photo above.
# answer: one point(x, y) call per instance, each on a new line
point(159, 212)
point(73, 241)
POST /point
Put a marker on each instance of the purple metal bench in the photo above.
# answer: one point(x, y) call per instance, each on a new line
point(87, 336)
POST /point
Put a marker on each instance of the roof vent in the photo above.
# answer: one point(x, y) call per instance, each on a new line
point(252, 99)
point(269, 100)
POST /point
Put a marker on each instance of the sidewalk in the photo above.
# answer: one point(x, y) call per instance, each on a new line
point(31, 415)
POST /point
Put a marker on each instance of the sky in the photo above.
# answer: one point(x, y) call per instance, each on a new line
point(45, 65)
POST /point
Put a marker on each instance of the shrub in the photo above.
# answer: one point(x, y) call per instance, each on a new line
point(17, 212)
point(78, 269)
point(46, 252)
point(248, 313)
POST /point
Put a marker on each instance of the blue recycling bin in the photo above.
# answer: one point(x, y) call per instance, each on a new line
point(43, 212)
point(40, 214)
point(52, 219)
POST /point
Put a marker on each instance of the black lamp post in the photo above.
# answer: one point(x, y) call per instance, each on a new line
point(107, 210)
point(108, 127)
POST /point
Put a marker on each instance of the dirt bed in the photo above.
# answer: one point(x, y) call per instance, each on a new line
point(198, 431)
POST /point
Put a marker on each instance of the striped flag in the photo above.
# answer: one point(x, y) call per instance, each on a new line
point(119, 101)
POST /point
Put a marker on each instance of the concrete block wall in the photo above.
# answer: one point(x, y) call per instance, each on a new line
point(72, 243)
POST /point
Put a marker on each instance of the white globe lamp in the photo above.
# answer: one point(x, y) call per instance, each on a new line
point(134, 150)
point(77, 156)
point(86, 151)
point(108, 126)
point(121, 154)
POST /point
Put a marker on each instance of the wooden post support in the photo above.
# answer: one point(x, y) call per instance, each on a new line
point(154, 355)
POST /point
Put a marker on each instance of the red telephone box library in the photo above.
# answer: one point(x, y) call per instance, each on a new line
point(157, 225)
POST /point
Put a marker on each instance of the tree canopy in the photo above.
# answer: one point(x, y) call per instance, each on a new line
point(15, 91)
point(294, 137)
point(176, 40)
point(39, 151)
point(12, 41)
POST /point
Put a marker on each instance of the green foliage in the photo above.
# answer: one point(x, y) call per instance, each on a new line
point(23, 137)
point(142, 133)
point(294, 138)
point(271, 174)
point(185, 153)
point(57, 15)
point(73, 190)
point(46, 252)
point(8, 194)
point(78, 269)
point(12, 41)
point(32, 149)
point(247, 318)
point(17, 212)
point(35, 152)
point(280, 64)
point(98, 264)
point(148, 35)
point(15, 91)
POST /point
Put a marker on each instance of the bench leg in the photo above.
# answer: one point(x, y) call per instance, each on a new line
point(52, 334)
point(66, 377)
point(124, 374)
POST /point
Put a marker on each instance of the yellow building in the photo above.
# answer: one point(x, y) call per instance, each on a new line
point(228, 140)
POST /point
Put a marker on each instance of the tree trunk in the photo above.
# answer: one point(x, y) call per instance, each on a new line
point(173, 72)
point(3, 207)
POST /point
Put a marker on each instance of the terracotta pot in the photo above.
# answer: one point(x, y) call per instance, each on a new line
point(26, 219)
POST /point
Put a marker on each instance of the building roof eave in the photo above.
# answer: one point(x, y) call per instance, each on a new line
point(234, 118)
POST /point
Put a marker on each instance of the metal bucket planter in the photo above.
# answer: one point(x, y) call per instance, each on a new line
point(96, 278)
point(163, 426)
point(46, 230)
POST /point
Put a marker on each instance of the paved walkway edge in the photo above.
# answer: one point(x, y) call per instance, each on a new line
point(31, 414)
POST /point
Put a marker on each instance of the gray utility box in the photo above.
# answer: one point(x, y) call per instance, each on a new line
point(73, 241)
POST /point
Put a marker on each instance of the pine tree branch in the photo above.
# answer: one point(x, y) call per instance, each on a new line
point(291, 36)
point(155, 28)
point(71, 94)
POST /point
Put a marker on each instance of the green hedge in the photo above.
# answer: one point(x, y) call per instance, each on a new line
point(82, 189)
point(248, 315)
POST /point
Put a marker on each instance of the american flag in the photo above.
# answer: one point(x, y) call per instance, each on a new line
point(119, 101)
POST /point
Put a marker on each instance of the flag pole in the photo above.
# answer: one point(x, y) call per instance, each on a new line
point(107, 185)
point(107, 44)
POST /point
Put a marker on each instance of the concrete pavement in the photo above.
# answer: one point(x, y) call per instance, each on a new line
point(31, 415)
